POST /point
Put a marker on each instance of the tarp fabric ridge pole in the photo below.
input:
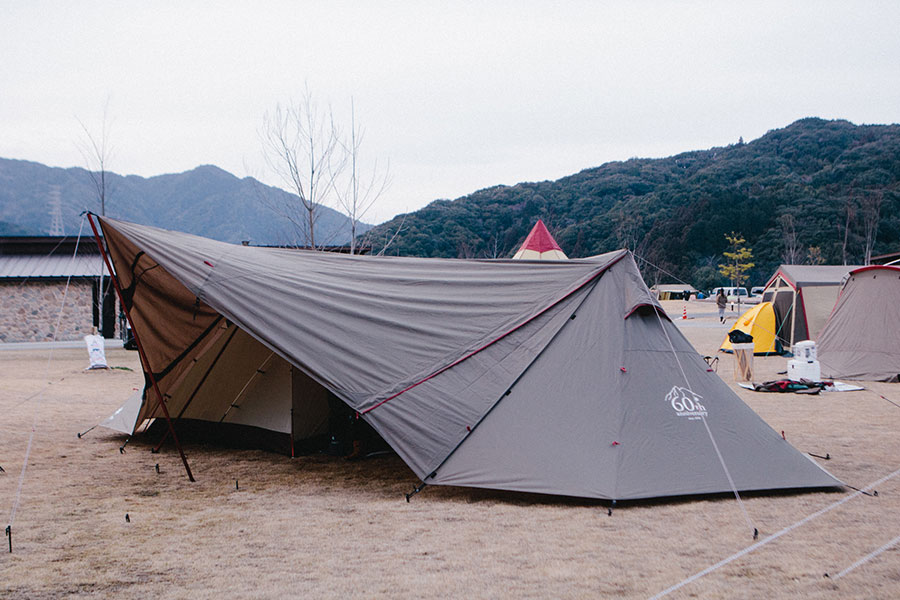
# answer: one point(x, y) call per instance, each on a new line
point(137, 341)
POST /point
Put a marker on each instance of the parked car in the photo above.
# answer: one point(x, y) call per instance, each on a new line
point(733, 294)
point(756, 291)
point(737, 295)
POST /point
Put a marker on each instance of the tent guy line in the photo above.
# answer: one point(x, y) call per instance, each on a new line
point(18, 495)
point(774, 536)
point(711, 437)
point(867, 558)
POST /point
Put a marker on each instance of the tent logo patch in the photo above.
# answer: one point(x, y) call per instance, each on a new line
point(686, 403)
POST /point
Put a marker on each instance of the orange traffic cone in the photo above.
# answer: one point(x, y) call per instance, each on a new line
point(684, 313)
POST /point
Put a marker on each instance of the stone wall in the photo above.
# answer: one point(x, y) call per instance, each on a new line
point(29, 310)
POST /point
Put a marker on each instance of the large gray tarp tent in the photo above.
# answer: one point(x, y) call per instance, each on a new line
point(559, 377)
point(862, 338)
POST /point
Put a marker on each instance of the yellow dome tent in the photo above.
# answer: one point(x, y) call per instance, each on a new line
point(759, 322)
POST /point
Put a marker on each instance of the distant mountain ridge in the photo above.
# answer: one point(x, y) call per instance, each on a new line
point(812, 182)
point(205, 201)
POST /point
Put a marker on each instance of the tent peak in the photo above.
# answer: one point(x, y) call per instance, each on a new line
point(540, 245)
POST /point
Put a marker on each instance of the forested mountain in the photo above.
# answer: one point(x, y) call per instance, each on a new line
point(810, 191)
point(39, 200)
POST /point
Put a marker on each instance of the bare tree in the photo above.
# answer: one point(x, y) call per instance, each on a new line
point(494, 249)
point(357, 192)
point(849, 215)
point(630, 231)
point(96, 152)
point(300, 141)
point(400, 229)
point(791, 253)
point(870, 207)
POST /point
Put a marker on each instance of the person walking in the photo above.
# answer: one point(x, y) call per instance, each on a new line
point(721, 302)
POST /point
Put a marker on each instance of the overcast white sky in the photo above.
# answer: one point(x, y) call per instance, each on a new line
point(458, 96)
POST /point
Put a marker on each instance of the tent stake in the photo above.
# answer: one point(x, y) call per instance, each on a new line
point(826, 457)
point(417, 489)
point(9, 535)
point(137, 340)
point(85, 432)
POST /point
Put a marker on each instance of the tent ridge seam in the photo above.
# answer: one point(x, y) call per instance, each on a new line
point(567, 295)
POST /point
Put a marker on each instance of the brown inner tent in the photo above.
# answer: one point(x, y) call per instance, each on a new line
point(208, 369)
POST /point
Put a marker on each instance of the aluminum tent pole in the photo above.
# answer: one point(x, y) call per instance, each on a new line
point(137, 339)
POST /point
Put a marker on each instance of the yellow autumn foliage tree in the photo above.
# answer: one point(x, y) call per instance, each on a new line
point(737, 259)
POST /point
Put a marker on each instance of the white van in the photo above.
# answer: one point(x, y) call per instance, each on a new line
point(733, 294)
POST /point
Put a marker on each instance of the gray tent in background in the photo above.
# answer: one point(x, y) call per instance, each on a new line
point(803, 296)
point(560, 377)
point(862, 337)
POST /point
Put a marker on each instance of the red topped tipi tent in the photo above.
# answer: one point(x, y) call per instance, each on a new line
point(540, 245)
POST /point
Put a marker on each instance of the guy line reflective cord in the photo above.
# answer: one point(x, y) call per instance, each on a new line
point(18, 496)
point(658, 268)
point(708, 430)
point(867, 558)
point(775, 536)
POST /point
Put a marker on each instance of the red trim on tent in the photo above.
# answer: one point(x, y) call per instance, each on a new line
point(494, 341)
point(874, 267)
point(784, 277)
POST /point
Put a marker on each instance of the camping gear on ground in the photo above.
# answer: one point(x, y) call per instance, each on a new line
point(862, 337)
point(789, 385)
point(759, 323)
point(124, 420)
point(540, 245)
point(556, 377)
point(96, 352)
point(827, 386)
point(803, 297)
point(804, 366)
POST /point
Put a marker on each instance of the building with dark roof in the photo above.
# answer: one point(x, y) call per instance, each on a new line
point(45, 280)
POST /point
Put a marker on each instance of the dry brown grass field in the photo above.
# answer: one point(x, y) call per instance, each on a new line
point(325, 527)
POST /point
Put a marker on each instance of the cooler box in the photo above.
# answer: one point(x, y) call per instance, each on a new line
point(804, 369)
point(743, 361)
